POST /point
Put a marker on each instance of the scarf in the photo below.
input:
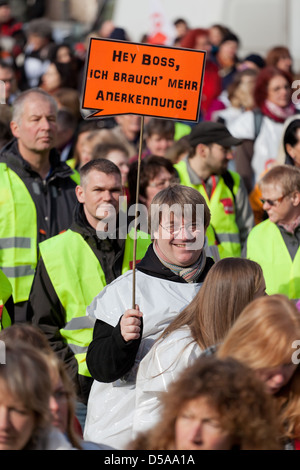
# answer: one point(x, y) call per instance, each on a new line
point(190, 273)
point(277, 113)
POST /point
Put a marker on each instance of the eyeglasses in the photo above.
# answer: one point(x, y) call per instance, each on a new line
point(191, 228)
point(272, 202)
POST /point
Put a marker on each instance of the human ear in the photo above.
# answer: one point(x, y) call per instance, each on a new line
point(14, 129)
point(290, 150)
point(80, 194)
point(295, 198)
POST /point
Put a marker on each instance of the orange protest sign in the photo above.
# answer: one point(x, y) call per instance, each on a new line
point(130, 78)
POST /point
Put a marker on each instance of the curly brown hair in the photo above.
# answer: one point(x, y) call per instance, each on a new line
point(246, 412)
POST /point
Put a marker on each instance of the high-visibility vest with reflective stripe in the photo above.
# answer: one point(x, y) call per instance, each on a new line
point(223, 230)
point(5, 294)
point(266, 246)
point(18, 233)
point(77, 278)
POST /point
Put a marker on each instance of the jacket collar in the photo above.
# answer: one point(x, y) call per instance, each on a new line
point(10, 154)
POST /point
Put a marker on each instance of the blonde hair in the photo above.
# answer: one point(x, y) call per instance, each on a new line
point(263, 337)
point(229, 286)
point(285, 176)
point(264, 333)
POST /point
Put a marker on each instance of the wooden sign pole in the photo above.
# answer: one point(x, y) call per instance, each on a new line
point(136, 210)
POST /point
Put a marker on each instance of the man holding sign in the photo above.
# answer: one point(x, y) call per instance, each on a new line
point(127, 78)
point(168, 278)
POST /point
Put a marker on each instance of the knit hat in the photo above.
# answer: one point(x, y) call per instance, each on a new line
point(208, 132)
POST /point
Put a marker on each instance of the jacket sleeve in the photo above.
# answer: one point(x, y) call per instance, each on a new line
point(10, 307)
point(109, 357)
point(46, 312)
point(243, 158)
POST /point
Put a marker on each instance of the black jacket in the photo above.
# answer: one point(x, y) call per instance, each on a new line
point(45, 309)
point(54, 197)
point(109, 357)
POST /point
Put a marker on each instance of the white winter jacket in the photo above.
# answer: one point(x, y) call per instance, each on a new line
point(160, 367)
point(266, 144)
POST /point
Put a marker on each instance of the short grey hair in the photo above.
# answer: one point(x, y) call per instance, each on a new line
point(18, 106)
point(285, 176)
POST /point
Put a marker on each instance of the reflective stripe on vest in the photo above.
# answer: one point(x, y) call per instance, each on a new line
point(266, 246)
point(18, 254)
point(77, 278)
point(5, 294)
point(223, 230)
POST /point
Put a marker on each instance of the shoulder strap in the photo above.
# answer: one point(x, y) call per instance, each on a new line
point(258, 117)
point(228, 180)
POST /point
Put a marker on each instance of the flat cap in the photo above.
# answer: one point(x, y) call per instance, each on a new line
point(208, 132)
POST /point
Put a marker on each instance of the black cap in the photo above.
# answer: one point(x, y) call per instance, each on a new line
point(208, 132)
point(256, 59)
point(2, 3)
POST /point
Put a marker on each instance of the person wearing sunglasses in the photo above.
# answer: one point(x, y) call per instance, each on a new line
point(274, 243)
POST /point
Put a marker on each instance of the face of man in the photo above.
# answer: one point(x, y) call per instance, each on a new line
point(36, 131)
point(100, 195)
point(179, 239)
point(217, 158)
point(281, 208)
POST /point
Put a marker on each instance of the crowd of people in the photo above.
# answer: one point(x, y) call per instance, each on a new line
point(149, 277)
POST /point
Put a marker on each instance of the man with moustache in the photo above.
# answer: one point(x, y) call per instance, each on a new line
point(206, 170)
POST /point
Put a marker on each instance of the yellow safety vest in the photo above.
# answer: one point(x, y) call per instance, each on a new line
point(18, 232)
point(5, 294)
point(223, 230)
point(77, 278)
point(266, 246)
